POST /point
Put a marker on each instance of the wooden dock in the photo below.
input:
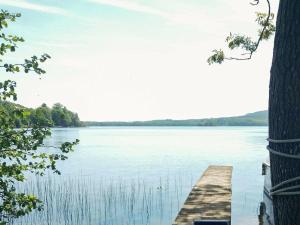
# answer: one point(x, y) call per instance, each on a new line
point(210, 198)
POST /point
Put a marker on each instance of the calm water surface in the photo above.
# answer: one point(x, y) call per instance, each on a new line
point(142, 175)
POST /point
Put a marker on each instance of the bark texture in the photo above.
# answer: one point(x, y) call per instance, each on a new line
point(284, 108)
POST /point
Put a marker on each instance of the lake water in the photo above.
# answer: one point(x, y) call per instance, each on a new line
point(142, 175)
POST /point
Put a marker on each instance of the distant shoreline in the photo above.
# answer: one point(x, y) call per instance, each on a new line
point(259, 118)
point(90, 126)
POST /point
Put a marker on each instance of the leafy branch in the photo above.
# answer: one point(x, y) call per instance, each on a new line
point(9, 43)
point(245, 43)
point(22, 151)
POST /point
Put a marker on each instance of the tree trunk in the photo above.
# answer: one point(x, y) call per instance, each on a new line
point(284, 108)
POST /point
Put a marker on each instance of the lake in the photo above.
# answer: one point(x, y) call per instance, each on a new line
point(142, 175)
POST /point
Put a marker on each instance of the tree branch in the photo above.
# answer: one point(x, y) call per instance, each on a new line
point(236, 41)
point(260, 36)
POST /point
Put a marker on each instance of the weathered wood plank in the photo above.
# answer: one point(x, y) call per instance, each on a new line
point(210, 198)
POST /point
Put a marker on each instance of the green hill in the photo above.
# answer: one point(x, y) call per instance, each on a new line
point(251, 119)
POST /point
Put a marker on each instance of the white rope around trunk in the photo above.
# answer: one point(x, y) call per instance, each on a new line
point(278, 189)
point(283, 141)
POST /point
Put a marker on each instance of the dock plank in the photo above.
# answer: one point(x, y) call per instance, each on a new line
point(209, 199)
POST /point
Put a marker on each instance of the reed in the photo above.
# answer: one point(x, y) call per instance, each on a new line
point(84, 200)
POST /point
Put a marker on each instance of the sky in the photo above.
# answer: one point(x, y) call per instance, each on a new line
point(131, 60)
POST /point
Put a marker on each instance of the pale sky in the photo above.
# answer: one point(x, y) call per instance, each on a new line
point(140, 59)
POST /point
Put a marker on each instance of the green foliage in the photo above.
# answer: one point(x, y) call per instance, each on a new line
point(43, 116)
point(22, 151)
point(237, 41)
point(7, 90)
point(9, 44)
point(245, 43)
point(251, 119)
point(217, 57)
point(61, 116)
point(261, 19)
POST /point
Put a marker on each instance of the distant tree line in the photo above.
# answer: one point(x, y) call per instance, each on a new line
point(251, 119)
point(57, 116)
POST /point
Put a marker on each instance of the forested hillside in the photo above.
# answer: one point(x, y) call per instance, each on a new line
point(252, 119)
point(57, 116)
